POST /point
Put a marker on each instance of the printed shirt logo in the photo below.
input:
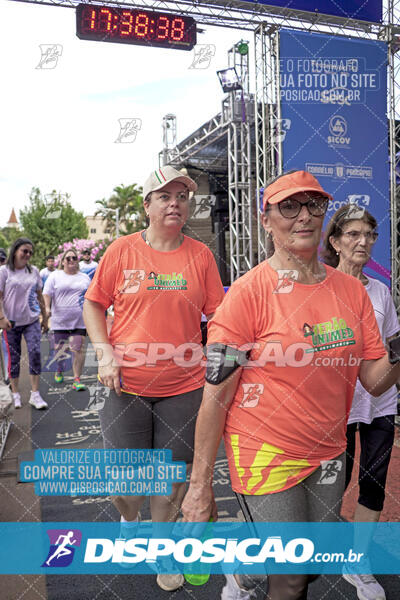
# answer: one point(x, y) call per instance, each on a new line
point(286, 279)
point(133, 279)
point(330, 470)
point(62, 547)
point(169, 281)
point(329, 334)
point(251, 394)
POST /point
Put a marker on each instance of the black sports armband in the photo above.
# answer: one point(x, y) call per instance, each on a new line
point(223, 360)
point(394, 350)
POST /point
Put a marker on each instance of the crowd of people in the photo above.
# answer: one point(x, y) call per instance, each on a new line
point(314, 357)
point(30, 303)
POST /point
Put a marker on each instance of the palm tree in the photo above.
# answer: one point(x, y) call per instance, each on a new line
point(129, 200)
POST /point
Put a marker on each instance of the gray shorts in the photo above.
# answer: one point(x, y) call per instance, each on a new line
point(318, 498)
point(166, 423)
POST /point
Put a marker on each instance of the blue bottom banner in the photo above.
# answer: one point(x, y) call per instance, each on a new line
point(216, 548)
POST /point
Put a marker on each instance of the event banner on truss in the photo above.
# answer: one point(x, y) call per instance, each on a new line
point(333, 94)
point(362, 10)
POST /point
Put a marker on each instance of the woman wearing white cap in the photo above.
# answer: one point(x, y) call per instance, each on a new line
point(160, 282)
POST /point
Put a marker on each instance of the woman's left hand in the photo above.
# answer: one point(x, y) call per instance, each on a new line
point(45, 324)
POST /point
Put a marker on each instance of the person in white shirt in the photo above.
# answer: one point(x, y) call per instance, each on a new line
point(49, 268)
point(87, 265)
point(64, 295)
point(349, 240)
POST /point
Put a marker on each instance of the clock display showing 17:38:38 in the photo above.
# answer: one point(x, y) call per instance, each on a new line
point(135, 26)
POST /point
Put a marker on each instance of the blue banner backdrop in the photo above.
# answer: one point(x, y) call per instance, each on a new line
point(363, 10)
point(333, 105)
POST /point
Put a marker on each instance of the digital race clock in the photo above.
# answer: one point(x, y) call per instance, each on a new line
point(134, 26)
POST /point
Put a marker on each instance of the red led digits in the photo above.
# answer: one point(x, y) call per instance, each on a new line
point(162, 28)
point(142, 25)
point(135, 26)
point(107, 13)
point(129, 23)
point(177, 30)
point(92, 19)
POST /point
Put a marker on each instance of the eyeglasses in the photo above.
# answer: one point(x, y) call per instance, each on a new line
point(290, 208)
point(27, 252)
point(355, 236)
point(71, 258)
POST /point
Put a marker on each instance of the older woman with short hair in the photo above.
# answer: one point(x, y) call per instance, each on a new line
point(349, 240)
point(283, 410)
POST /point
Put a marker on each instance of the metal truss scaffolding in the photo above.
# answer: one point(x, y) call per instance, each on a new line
point(267, 147)
point(393, 39)
point(239, 169)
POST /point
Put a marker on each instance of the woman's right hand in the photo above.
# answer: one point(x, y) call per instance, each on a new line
point(5, 324)
point(199, 504)
point(110, 377)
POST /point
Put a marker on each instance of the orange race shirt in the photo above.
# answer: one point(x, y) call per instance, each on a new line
point(158, 300)
point(290, 410)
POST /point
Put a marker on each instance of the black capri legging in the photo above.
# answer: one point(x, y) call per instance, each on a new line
point(376, 441)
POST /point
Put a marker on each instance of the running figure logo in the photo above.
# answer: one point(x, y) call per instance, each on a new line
point(133, 279)
point(251, 394)
point(62, 547)
point(330, 470)
point(50, 55)
point(286, 279)
point(203, 206)
point(97, 397)
point(203, 54)
point(128, 129)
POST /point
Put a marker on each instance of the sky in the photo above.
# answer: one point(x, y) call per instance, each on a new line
point(59, 126)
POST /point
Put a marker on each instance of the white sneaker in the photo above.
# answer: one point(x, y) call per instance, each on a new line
point(170, 581)
point(367, 586)
point(37, 401)
point(17, 400)
point(128, 530)
point(232, 591)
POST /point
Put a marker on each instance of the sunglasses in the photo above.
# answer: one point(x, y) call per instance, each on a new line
point(290, 208)
point(27, 252)
point(71, 258)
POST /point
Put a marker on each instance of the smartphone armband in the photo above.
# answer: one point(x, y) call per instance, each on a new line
point(223, 360)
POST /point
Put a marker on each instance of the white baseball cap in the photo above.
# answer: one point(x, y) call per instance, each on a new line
point(161, 177)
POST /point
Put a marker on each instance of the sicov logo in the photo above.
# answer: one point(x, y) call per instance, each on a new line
point(338, 130)
point(62, 547)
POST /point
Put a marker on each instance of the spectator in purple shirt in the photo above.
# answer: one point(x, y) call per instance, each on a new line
point(21, 303)
point(63, 293)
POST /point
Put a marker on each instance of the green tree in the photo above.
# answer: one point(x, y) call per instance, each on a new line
point(8, 235)
point(129, 200)
point(50, 221)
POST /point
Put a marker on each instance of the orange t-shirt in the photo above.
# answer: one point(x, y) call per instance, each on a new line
point(158, 300)
point(293, 399)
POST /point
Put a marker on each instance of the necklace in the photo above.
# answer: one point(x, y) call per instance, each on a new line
point(146, 239)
